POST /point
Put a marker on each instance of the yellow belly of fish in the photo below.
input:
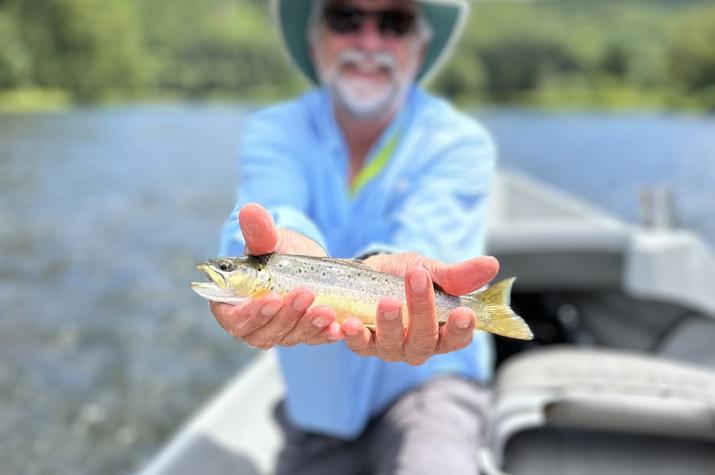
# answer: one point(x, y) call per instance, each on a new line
point(346, 307)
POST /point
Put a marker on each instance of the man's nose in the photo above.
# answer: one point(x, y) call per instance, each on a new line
point(369, 37)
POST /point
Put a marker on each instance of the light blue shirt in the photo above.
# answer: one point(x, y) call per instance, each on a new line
point(430, 197)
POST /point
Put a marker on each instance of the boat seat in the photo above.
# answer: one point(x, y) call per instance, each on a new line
point(567, 410)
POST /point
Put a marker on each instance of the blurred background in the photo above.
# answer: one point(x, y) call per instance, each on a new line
point(119, 124)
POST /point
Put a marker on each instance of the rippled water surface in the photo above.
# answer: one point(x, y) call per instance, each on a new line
point(103, 213)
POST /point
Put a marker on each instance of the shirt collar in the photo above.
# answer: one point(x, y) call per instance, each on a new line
point(329, 128)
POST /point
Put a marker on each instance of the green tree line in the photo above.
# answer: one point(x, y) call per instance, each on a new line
point(658, 53)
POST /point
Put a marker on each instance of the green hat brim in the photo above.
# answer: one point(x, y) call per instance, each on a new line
point(445, 17)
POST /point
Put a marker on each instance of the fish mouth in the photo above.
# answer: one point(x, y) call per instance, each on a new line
point(211, 291)
point(214, 276)
point(217, 289)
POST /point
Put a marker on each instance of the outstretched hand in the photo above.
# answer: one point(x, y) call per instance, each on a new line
point(273, 320)
point(285, 321)
point(423, 337)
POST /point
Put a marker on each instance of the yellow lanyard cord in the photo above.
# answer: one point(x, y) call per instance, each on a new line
point(375, 166)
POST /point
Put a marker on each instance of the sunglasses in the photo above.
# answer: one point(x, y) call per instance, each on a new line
point(345, 20)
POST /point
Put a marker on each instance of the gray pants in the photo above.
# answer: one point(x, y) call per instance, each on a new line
point(433, 429)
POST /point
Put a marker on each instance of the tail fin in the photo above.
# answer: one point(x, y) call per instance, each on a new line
point(494, 314)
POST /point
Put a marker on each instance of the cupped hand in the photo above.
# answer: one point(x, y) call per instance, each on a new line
point(271, 321)
point(422, 337)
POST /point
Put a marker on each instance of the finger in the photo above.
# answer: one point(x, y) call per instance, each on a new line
point(458, 332)
point(292, 242)
point(258, 229)
point(390, 332)
point(314, 321)
point(464, 277)
point(294, 306)
point(358, 337)
point(244, 319)
point(397, 264)
point(422, 327)
point(330, 334)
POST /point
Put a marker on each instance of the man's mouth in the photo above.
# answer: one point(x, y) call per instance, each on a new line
point(367, 70)
point(361, 64)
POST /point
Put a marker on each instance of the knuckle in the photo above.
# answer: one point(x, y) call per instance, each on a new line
point(387, 348)
point(413, 258)
point(389, 340)
point(452, 346)
point(311, 335)
point(464, 335)
point(241, 328)
point(423, 343)
point(236, 332)
point(289, 340)
point(281, 332)
point(295, 336)
point(356, 344)
point(422, 306)
point(454, 342)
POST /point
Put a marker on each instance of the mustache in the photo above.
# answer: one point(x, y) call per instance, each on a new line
point(380, 58)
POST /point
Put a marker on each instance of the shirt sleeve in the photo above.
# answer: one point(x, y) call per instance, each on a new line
point(270, 174)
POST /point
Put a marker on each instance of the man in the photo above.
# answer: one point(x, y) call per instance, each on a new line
point(370, 166)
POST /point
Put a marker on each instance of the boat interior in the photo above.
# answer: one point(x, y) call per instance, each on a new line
point(619, 380)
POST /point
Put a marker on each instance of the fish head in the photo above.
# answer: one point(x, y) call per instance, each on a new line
point(232, 279)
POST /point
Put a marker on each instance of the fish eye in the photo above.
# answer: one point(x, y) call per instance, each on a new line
point(225, 266)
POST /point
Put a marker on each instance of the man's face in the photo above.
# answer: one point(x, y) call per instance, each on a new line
point(367, 52)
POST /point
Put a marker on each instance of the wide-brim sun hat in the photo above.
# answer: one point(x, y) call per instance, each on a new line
point(446, 18)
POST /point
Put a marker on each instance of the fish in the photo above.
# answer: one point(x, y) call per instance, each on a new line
point(350, 287)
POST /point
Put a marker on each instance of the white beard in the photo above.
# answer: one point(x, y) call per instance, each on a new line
point(361, 97)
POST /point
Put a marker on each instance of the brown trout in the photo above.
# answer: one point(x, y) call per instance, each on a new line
point(351, 288)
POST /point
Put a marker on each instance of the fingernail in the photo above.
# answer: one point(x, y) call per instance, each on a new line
point(418, 282)
point(391, 315)
point(301, 302)
point(462, 322)
point(270, 309)
point(319, 322)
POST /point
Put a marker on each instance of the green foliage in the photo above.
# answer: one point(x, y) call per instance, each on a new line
point(692, 57)
point(547, 52)
point(14, 57)
point(87, 47)
point(223, 46)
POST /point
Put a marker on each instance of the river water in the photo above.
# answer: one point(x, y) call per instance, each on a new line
point(104, 350)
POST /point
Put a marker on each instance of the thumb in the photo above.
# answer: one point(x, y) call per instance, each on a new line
point(258, 229)
point(466, 276)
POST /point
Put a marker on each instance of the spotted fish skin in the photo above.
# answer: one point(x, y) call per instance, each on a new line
point(351, 288)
